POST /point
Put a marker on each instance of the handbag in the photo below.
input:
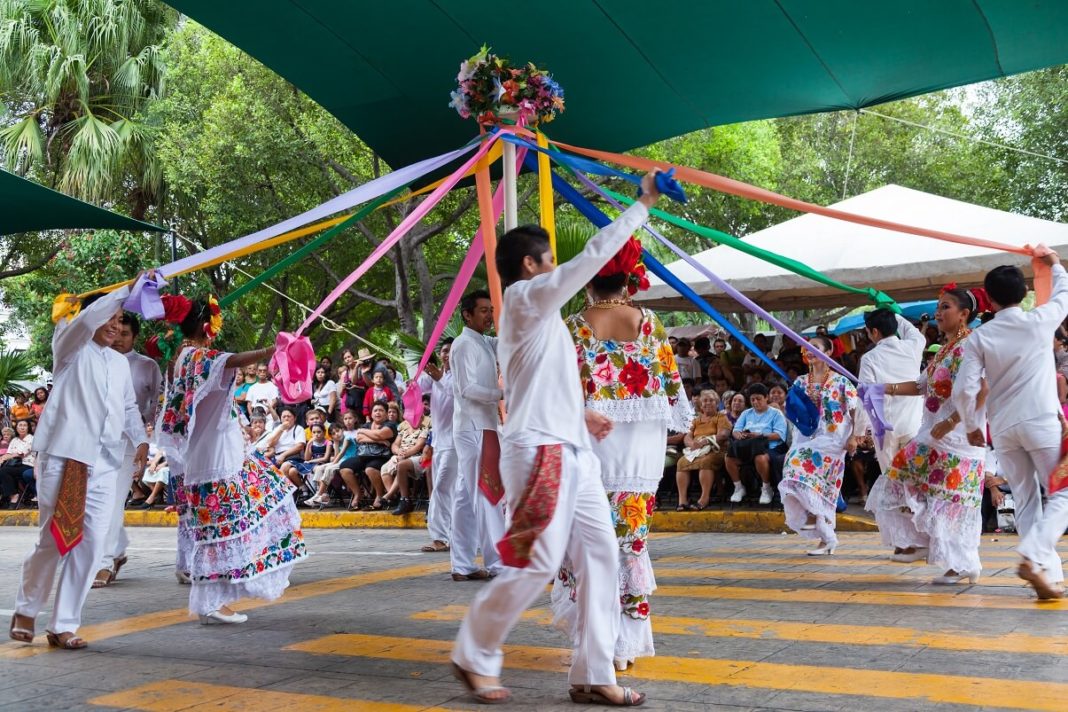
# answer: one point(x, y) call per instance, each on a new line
point(801, 411)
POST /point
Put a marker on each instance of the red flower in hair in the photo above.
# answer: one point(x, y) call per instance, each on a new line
point(175, 308)
point(982, 300)
point(949, 287)
point(152, 348)
point(625, 260)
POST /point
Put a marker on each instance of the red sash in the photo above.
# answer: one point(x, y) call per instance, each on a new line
point(68, 520)
point(489, 467)
point(535, 508)
point(1058, 479)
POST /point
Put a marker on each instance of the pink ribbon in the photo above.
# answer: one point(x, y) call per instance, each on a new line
point(400, 231)
point(413, 394)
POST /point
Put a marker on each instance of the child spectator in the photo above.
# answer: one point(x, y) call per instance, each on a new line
point(377, 392)
point(344, 449)
point(317, 452)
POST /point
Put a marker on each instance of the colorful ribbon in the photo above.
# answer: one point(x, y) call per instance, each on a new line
point(400, 231)
point(144, 297)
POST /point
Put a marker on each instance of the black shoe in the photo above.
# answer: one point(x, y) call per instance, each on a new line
point(403, 507)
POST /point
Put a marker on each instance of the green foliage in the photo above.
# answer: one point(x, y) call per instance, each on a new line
point(15, 366)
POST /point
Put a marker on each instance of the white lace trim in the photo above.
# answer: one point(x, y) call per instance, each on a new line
point(950, 532)
point(638, 410)
point(211, 596)
point(635, 639)
point(636, 575)
point(798, 502)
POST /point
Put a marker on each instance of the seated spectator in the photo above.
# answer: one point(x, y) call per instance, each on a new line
point(759, 432)
point(16, 465)
point(374, 441)
point(318, 451)
point(286, 446)
point(378, 391)
point(40, 397)
point(324, 393)
point(323, 475)
point(735, 406)
point(315, 417)
point(246, 379)
point(258, 435)
point(20, 411)
point(861, 463)
point(157, 475)
point(7, 434)
point(708, 437)
point(406, 463)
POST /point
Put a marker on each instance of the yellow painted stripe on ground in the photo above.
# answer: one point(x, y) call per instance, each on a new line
point(188, 696)
point(882, 554)
point(819, 679)
point(811, 632)
point(869, 598)
point(800, 559)
point(162, 619)
point(1006, 580)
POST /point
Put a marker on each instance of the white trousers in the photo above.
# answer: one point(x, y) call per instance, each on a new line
point(581, 528)
point(77, 568)
point(116, 541)
point(439, 511)
point(1028, 453)
point(475, 522)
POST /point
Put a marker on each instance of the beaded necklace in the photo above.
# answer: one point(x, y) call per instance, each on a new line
point(947, 349)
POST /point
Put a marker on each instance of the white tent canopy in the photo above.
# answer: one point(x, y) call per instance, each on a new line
point(906, 267)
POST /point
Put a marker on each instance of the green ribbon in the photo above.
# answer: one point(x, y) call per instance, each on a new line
point(879, 298)
point(306, 250)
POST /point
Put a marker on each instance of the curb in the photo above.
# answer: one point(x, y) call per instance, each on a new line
point(740, 521)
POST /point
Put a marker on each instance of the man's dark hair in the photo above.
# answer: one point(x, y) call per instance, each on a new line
point(1005, 285)
point(757, 389)
point(519, 242)
point(92, 298)
point(688, 382)
point(702, 342)
point(133, 322)
point(447, 341)
point(881, 320)
point(470, 300)
point(377, 403)
point(720, 341)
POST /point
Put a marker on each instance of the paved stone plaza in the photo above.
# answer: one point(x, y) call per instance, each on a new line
point(743, 621)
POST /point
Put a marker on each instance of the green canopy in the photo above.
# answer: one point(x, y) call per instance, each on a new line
point(634, 71)
point(26, 206)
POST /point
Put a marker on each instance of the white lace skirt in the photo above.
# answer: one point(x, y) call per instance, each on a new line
point(246, 536)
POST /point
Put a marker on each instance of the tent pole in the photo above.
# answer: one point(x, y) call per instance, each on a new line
point(511, 207)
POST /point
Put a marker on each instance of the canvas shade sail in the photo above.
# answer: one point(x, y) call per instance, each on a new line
point(634, 72)
point(906, 267)
point(26, 206)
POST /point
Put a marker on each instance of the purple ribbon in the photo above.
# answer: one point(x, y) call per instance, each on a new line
point(144, 297)
point(727, 289)
point(873, 397)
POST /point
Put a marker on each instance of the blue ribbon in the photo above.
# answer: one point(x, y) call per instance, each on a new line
point(592, 213)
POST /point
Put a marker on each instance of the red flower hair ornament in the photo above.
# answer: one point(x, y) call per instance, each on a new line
point(175, 308)
point(628, 261)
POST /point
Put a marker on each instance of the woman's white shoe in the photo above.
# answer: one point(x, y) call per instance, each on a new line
point(948, 579)
point(217, 617)
point(183, 577)
point(621, 665)
point(823, 550)
point(919, 553)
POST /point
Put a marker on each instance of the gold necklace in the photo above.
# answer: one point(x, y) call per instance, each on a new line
point(962, 332)
point(609, 303)
point(815, 390)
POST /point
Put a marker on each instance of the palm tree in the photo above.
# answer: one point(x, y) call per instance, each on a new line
point(75, 79)
point(15, 369)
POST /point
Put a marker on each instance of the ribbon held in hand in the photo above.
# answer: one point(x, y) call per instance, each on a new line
point(873, 398)
point(144, 297)
point(668, 186)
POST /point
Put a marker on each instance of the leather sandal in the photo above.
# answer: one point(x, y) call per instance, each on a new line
point(74, 642)
point(118, 564)
point(480, 575)
point(435, 547)
point(587, 696)
point(104, 577)
point(481, 694)
point(22, 635)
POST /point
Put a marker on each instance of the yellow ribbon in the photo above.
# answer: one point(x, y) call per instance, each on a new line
point(545, 193)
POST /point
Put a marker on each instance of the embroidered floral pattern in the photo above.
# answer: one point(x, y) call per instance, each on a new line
point(939, 474)
point(619, 370)
point(630, 519)
point(940, 380)
point(816, 470)
point(222, 509)
point(190, 373)
point(289, 549)
point(837, 397)
point(637, 607)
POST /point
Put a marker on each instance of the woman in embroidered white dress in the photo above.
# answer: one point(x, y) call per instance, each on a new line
point(812, 472)
point(928, 504)
point(245, 525)
point(628, 374)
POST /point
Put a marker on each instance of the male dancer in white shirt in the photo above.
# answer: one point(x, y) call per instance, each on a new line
point(894, 358)
point(1015, 351)
point(546, 450)
point(147, 382)
point(473, 360)
point(81, 440)
point(437, 381)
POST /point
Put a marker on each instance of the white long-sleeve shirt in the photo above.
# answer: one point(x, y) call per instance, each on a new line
point(147, 382)
point(92, 410)
point(441, 407)
point(473, 361)
point(895, 359)
point(1016, 352)
point(543, 393)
